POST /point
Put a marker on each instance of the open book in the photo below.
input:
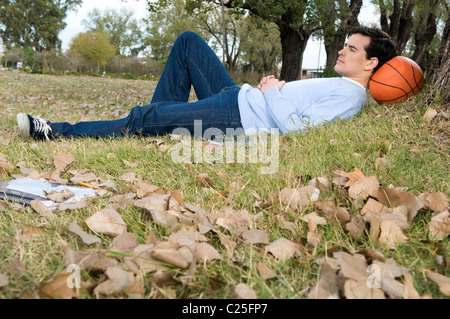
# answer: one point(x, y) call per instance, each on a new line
point(24, 190)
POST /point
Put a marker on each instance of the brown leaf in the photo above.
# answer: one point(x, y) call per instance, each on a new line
point(410, 290)
point(255, 236)
point(107, 221)
point(391, 234)
point(85, 237)
point(129, 177)
point(42, 209)
point(58, 287)
point(355, 227)
point(4, 281)
point(439, 225)
point(442, 281)
point(61, 161)
point(359, 290)
point(313, 220)
point(437, 201)
point(244, 292)
point(298, 199)
point(32, 231)
point(203, 180)
point(59, 197)
point(429, 115)
point(352, 266)
point(393, 198)
point(352, 176)
point(283, 249)
point(118, 280)
point(387, 273)
point(265, 272)
point(374, 206)
point(204, 251)
point(171, 257)
point(327, 287)
point(363, 187)
point(125, 242)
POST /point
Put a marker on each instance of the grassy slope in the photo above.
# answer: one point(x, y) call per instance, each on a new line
point(417, 150)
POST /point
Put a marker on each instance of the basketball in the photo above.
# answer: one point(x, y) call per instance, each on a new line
point(397, 80)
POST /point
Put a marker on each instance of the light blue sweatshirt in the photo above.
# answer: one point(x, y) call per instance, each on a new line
point(300, 104)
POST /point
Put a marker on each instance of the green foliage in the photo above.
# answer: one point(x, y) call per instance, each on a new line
point(94, 47)
point(33, 24)
point(125, 33)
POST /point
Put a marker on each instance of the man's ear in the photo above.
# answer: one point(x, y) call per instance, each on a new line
point(372, 64)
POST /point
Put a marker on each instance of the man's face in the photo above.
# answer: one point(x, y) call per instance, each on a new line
point(352, 61)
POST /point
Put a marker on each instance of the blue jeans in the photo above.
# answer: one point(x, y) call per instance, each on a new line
point(191, 62)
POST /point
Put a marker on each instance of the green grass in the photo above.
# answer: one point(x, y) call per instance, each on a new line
point(379, 131)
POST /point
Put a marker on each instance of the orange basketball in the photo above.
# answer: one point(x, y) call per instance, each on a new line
point(397, 80)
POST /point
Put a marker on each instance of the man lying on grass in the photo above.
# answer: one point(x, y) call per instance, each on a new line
point(223, 105)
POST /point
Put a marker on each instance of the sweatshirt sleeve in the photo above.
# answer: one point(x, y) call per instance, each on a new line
point(288, 118)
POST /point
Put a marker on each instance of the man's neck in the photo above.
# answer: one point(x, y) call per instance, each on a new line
point(362, 83)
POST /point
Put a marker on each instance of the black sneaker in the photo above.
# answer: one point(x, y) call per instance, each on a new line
point(36, 128)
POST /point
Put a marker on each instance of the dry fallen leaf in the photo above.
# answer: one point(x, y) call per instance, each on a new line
point(360, 290)
point(42, 209)
point(437, 201)
point(300, 198)
point(85, 237)
point(118, 280)
point(410, 290)
point(107, 221)
point(283, 249)
point(58, 287)
point(125, 242)
point(313, 220)
point(244, 292)
point(206, 252)
point(59, 197)
point(327, 287)
point(352, 176)
point(393, 198)
point(355, 227)
point(442, 281)
point(391, 234)
point(363, 187)
point(61, 161)
point(4, 281)
point(439, 225)
point(265, 272)
point(255, 236)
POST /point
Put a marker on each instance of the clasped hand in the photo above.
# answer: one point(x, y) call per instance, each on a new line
point(269, 82)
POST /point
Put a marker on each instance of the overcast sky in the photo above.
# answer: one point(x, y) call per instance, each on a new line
point(313, 57)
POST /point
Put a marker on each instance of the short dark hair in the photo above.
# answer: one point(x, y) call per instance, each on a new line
point(381, 46)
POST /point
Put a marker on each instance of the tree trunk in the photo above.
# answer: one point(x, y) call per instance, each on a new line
point(334, 41)
point(293, 44)
point(400, 21)
point(425, 32)
point(439, 75)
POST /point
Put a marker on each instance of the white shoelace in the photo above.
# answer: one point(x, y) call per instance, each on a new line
point(41, 127)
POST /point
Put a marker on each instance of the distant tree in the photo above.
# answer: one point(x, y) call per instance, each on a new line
point(12, 56)
point(166, 21)
point(295, 20)
point(261, 49)
point(34, 24)
point(336, 18)
point(125, 32)
point(94, 47)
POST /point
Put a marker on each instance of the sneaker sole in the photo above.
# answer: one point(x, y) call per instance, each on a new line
point(24, 124)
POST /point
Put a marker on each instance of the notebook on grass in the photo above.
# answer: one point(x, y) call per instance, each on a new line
point(24, 190)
